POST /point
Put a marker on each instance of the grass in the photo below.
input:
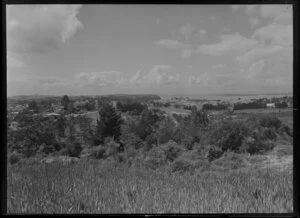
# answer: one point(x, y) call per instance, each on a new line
point(91, 186)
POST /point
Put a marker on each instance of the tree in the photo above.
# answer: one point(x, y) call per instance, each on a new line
point(165, 130)
point(60, 126)
point(33, 106)
point(109, 124)
point(65, 101)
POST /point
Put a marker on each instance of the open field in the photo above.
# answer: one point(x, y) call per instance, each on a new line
point(94, 187)
point(285, 115)
point(173, 110)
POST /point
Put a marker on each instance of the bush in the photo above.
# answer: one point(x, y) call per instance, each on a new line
point(131, 140)
point(231, 160)
point(156, 157)
point(74, 149)
point(285, 129)
point(98, 153)
point(172, 150)
point(255, 145)
point(14, 158)
point(112, 148)
point(214, 153)
point(268, 134)
point(230, 135)
point(270, 122)
point(180, 165)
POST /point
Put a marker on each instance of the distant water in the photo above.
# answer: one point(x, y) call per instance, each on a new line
point(227, 97)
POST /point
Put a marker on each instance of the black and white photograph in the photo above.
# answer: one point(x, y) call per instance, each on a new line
point(149, 108)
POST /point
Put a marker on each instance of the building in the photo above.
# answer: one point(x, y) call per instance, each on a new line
point(270, 105)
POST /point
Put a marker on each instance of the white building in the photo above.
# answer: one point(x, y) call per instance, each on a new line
point(270, 105)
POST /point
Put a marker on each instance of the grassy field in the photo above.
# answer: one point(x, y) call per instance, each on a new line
point(92, 186)
point(285, 115)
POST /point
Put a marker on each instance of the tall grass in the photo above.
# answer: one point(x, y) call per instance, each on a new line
point(92, 186)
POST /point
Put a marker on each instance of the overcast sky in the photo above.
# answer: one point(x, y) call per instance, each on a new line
point(159, 49)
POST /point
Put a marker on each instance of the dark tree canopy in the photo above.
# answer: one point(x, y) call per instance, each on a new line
point(110, 122)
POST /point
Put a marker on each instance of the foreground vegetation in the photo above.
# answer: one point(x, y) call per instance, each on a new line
point(150, 162)
point(109, 187)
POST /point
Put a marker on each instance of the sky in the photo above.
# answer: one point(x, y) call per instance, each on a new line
point(149, 49)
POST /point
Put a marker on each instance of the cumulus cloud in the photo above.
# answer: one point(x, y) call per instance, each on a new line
point(235, 7)
point(158, 75)
point(272, 11)
point(38, 28)
point(187, 53)
point(228, 43)
point(253, 21)
point(186, 30)
point(201, 33)
point(172, 44)
point(103, 78)
point(257, 53)
point(276, 34)
point(14, 62)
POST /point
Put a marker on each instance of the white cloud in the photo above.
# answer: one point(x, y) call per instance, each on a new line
point(235, 7)
point(158, 75)
point(276, 33)
point(187, 53)
point(14, 62)
point(172, 44)
point(257, 53)
point(255, 69)
point(186, 30)
point(272, 11)
point(228, 43)
point(251, 8)
point(103, 78)
point(37, 28)
point(201, 33)
point(253, 21)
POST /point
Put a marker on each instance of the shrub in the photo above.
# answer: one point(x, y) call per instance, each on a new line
point(172, 150)
point(98, 153)
point(131, 140)
point(64, 152)
point(270, 122)
point(180, 165)
point(255, 145)
point(214, 153)
point(268, 133)
point(285, 129)
point(156, 157)
point(112, 148)
point(57, 146)
point(74, 149)
point(14, 158)
point(230, 135)
point(231, 160)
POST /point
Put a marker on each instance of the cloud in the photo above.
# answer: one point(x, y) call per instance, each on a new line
point(186, 30)
point(38, 28)
point(172, 44)
point(228, 43)
point(257, 53)
point(253, 21)
point(103, 78)
point(14, 62)
point(276, 34)
point(187, 53)
point(272, 11)
point(158, 75)
point(255, 69)
point(251, 8)
point(235, 7)
point(201, 33)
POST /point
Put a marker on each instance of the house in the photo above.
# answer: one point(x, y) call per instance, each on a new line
point(270, 105)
